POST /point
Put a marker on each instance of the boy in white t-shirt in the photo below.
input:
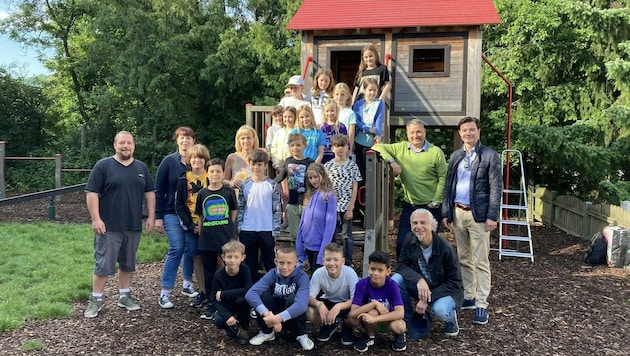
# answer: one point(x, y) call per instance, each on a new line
point(335, 282)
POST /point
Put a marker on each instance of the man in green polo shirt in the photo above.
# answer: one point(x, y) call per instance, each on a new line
point(422, 170)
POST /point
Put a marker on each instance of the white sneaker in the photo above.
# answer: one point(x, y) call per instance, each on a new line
point(165, 303)
point(262, 337)
point(305, 342)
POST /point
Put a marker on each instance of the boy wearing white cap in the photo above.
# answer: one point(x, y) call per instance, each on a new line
point(295, 97)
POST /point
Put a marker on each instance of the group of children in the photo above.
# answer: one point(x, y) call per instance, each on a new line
point(315, 187)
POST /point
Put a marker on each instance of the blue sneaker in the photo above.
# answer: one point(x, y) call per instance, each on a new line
point(468, 304)
point(481, 316)
point(451, 328)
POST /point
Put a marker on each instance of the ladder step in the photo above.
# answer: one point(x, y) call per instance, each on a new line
point(514, 238)
point(509, 206)
point(514, 253)
point(515, 222)
point(513, 191)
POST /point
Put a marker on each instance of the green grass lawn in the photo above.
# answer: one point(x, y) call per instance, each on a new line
point(46, 266)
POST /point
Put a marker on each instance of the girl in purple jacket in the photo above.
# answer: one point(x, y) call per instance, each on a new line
point(319, 217)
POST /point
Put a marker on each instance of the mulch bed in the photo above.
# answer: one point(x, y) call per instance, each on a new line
point(557, 305)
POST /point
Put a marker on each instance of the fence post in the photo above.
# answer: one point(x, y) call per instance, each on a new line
point(587, 220)
point(552, 208)
point(2, 181)
point(248, 114)
point(58, 175)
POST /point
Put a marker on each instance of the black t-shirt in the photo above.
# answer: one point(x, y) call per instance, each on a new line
point(380, 74)
point(120, 191)
point(214, 207)
point(295, 171)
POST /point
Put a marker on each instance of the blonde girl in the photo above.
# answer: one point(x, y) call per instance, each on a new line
point(276, 125)
point(323, 83)
point(370, 112)
point(342, 96)
point(279, 146)
point(331, 127)
point(236, 164)
point(371, 67)
point(319, 217)
point(315, 140)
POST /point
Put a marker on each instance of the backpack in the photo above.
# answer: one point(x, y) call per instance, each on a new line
point(596, 254)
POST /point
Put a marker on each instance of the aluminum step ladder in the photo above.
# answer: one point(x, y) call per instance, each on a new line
point(515, 233)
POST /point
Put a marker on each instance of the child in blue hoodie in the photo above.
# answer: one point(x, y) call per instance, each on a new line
point(279, 297)
point(319, 217)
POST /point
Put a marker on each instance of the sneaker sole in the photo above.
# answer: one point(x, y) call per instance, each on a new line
point(479, 322)
point(452, 334)
point(347, 343)
point(205, 317)
point(472, 307)
point(89, 316)
point(262, 342)
point(400, 348)
point(166, 306)
point(129, 308)
point(190, 295)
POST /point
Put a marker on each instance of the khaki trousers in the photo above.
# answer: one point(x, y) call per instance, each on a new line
point(473, 247)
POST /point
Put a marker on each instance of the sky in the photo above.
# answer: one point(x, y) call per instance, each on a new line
point(22, 61)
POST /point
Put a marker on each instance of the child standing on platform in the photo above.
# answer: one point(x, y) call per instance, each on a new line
point(343, 97)
point(371, 67)
point(319, 218)
point(323, 83)
point(370, 112)
point(228, 292)
point(295, 97)
point(294, 172)
point(315, 140)
point(259, 212)
point(216, 206)
point(331, 127)
point(345, 177)
point(279, 146)
point(281, 297)
point(276, 126)
point(377, 300)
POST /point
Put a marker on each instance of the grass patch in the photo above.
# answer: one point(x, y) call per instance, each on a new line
point(32, 345)
point(45, 266)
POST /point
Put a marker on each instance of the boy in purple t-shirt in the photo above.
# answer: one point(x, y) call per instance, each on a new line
point(377, 300)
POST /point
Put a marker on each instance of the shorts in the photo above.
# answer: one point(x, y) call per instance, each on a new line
point(115, 246)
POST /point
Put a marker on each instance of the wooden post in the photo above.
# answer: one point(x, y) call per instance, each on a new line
point(586, 230)
point(58, 175)
point(369, 220)
point(2, 181)
point(248, 114)
point(552, 207)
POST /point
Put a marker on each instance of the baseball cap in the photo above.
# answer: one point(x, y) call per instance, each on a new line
point(296, 80)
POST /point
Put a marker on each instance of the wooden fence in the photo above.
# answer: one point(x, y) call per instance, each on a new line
point(573, 216)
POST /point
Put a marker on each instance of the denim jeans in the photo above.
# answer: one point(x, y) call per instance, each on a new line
point(404, 224)
point(348, 241)
point(441, 309)
point(182, 245)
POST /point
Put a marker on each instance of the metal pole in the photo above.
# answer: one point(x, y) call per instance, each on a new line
point(58, 175)
point(2, 181)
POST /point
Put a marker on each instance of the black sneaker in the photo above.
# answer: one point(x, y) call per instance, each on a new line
point(208, 314)
point(242, 337)
point(400, 342)
point(363, 343)
point(346, 335)
point(451, 328)
point(199, 300)
point(326, 332)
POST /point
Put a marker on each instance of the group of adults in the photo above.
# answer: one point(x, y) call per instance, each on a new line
point(464, 195)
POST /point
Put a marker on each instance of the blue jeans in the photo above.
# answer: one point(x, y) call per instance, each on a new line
point(347, 241)
point(404, 224)
point(442, 309)
point(182, 245)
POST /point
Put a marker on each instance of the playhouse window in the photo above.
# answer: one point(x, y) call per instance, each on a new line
point(430, 61)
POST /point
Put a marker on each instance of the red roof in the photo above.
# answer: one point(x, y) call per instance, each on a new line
point(364, 14)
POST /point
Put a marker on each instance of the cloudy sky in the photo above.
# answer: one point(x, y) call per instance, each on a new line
point(22, 61)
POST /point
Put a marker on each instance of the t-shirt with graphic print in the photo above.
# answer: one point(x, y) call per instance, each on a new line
point(217, 228)
point(295, 172)
point(343, 176)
